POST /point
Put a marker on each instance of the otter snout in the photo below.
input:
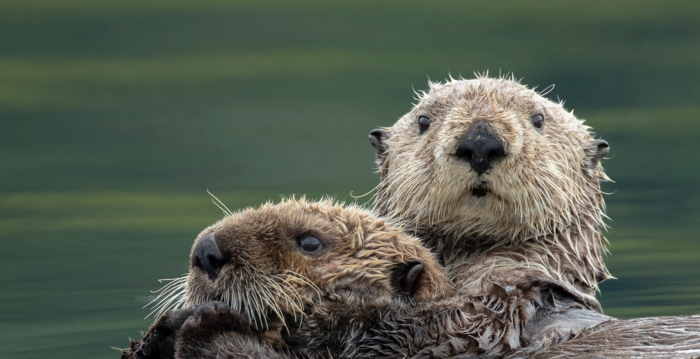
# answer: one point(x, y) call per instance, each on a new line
point(481, 147)
point(207, 256)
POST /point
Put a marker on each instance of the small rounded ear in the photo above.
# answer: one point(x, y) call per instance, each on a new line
point(601, 148)
point(406, 275)
point(377, 138)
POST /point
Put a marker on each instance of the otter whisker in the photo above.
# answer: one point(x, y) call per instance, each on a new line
point(220, 204)
point(368, 192)
point(168, 303)
point(170, 296)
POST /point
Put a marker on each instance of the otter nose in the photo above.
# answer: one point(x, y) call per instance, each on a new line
point(480, 147)
point(207, 256)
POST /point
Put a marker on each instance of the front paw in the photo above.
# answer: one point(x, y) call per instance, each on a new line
point(211, 318)
point(159, 341)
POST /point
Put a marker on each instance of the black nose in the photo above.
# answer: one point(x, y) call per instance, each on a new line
point(480, 147)
point(207, 256)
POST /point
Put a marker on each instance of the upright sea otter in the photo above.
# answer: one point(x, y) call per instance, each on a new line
point(501, 183)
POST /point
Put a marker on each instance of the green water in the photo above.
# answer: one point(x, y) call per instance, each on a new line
point(117, 116)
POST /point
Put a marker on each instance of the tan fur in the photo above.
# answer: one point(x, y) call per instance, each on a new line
point(542, 216)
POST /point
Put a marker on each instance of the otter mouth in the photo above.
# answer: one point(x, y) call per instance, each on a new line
point(481, 190)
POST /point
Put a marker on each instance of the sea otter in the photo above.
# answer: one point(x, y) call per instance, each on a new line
point(503, 185)
point(272, 264)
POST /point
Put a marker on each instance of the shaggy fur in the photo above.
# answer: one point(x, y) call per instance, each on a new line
point(543, 204)
point(487, 326)
point(539, 221)
point(540, 210)
point(272, 285)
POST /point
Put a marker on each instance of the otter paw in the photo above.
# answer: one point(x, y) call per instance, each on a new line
point(209, 323)
point(159, 341)
point(213, 317)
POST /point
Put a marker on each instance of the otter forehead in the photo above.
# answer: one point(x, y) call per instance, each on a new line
point(505, 101)
point(480, 97)
point(276, 231)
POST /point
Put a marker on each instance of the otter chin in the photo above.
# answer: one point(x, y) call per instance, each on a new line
point(480, 190)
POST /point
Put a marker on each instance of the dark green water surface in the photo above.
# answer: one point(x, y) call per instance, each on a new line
point(117, 116)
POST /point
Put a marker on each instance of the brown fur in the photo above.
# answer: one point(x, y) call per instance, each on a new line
point(269, 283)
point(484, 326)
point(541, 217)
point(359, 254)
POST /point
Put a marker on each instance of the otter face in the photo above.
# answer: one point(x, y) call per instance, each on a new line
point(270, 263)
point(488, 158)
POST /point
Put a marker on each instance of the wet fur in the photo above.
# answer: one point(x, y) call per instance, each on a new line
point(272, 285)
point(542, 216)
point(540, 222)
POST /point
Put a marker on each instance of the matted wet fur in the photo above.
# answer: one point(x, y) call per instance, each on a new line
point(530, 209)
point(534, 214)
point(256, 263)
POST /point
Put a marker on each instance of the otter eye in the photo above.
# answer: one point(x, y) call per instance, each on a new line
point(310, 244)
point(537, 121)
point(423, 123)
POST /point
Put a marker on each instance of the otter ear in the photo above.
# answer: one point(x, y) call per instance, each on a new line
point(406, 275)
point(377, 138)
point(601, 149)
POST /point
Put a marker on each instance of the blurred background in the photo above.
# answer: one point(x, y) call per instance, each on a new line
point(116, 116)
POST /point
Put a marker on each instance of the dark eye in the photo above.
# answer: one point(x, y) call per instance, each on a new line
point(537, 121)
point(310, 244)
point(423, 123)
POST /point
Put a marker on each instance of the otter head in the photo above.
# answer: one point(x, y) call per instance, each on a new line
point(272, 262)
point(489, 159)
